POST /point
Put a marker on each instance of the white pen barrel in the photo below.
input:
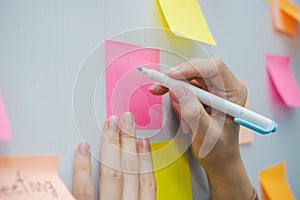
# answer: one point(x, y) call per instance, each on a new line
point(212, 100)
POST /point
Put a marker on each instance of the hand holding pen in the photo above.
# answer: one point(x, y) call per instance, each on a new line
point(223, 164)
point(213, 130)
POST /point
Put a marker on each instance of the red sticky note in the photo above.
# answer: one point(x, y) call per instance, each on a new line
point(127, 88)
point(281, 21)
point(5, 133)
point(278, 68)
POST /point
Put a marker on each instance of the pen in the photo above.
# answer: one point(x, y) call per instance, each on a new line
point(242, 115)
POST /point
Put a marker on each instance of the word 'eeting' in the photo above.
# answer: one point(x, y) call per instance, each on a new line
point(24, 186)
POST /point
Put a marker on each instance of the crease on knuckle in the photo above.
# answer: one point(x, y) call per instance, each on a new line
point(245, 92)
point(112, 174)
point(112, 139)
point(148, 182)
point(84, 193)
point(82, 168)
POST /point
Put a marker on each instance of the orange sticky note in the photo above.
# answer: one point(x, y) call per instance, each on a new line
point(281, 21)
point(274, 183)
point(5, 133)
point(246, 135)
point(290, 9)
point(172, 170)
point(31, 178)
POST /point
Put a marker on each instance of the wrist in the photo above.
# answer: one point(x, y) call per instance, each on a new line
point(229, 181)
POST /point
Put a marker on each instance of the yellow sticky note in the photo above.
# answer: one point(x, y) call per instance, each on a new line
point(31, 178)
point(274, 183)
point(290, 9)
point(185, 19)
point(172, 171)
point(246, 135)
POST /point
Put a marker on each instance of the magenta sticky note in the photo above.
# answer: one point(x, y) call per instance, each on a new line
point(5, 133)
point(278, 68)
point(127, 88)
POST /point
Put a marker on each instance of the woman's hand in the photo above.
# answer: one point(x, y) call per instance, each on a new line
point(126, 170)
point(215, 135)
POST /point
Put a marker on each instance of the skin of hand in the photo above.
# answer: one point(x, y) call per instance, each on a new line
point(126, 169)
point(226, 174)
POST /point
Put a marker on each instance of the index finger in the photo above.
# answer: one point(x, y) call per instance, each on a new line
point(212, 69)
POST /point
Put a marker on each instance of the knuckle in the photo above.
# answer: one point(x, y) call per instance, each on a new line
point(218, 62)
point(244, 94)
point(83, 169)
point(112, 174)
point(128, 136)
point(128, 131)
point(112, 138)
point(114, 141)
point(148, 182)
point(85, 193)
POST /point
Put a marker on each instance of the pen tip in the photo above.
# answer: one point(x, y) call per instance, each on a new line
point(140, 68)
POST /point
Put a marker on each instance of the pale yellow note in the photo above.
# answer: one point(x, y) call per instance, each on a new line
point(185, 19)
point(246, 135)
point(31, 178)
point(274, 183)
point(290, 9)
point(172, 171)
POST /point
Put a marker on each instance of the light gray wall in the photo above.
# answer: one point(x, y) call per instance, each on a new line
point(43, 43)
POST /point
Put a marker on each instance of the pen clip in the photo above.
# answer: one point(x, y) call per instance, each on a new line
point(255, 127)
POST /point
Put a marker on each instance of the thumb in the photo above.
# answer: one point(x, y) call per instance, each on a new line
point(190, 109)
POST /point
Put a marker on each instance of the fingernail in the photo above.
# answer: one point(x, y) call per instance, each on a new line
point(145, 145)
point(180, 92)
point(84, 149)
point(113, 123)
point(154, 86)
point(127, 119)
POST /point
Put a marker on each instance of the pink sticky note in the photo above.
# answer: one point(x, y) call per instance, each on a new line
point(5, 133)
point(127, 88)
point(281, 75)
